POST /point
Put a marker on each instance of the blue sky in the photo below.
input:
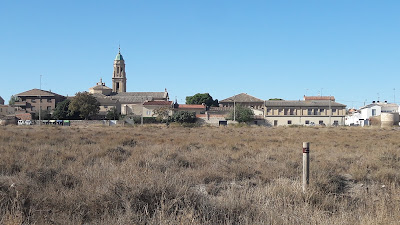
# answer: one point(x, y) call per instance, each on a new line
point(268, 49)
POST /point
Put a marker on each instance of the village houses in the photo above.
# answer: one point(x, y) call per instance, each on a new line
point(310, 111)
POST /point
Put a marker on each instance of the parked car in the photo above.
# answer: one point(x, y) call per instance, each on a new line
point(28, 122)
point(21, 122)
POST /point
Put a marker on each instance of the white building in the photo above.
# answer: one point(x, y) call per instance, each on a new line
point(366, 112)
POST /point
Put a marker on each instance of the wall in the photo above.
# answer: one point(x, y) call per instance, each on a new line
point(135, 109)
point(300, 120)
point(366, 113)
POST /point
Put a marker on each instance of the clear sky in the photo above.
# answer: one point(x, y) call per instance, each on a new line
point(268, 49)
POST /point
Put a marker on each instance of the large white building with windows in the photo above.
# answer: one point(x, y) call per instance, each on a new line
point(316, 110)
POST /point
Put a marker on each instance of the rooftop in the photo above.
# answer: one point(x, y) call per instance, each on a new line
point(158, 103)
point(242, 97)
point(317, 98)
point(319, 103)
point(191, 106)
point(119, 56)
point(37, 92)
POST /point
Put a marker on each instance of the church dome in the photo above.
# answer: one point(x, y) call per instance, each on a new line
point(119, 56)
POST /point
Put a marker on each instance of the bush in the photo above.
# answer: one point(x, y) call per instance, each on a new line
point(184, 117)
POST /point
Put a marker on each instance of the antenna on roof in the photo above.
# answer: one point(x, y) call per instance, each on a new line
point(119, 47)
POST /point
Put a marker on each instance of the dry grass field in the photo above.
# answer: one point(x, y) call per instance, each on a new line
point(203, 175)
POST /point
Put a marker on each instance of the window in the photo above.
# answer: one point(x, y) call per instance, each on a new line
point(291, 111)
point(48, 100)
point(321, 111)
point(309, 112)
point(316, 112)
point(33, 108)
point(286, 112)
point(307, 122)
point(269, 112)
point(280, 111)
point(373, 112)
point(106, 106)
point(289, 122)
point(148, 112)
point(117, 85)
point(33, 100)
point(333, 110)
point(48, 108)
point(275, 123)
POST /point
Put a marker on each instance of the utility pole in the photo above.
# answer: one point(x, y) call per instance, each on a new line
point(40, 101)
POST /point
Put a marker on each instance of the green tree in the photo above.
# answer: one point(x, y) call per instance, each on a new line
point(184, 117)
point(241, 114)
point(85, 104)
point(44, 114)
point(61, 112)
point(202, 98)
point(162, 113)
point(12, 100)
point(112, 114)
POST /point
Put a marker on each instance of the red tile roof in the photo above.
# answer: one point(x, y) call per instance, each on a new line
point(313, 98)
point(189, 106)
point(158, 103)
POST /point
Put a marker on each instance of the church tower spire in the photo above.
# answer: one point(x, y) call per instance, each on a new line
point(119, 75)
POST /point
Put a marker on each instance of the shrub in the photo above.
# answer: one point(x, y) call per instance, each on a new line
point(184, 117)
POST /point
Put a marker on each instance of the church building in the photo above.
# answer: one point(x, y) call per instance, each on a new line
point(127, 103)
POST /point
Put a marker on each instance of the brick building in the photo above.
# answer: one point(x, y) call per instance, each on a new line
point(30, 101)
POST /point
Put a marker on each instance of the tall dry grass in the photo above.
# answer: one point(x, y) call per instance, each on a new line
point(204, 175)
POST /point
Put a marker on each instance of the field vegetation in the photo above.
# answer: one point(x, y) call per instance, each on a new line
point(200, 175)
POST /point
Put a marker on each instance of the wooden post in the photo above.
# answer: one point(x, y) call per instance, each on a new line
point(306, 165)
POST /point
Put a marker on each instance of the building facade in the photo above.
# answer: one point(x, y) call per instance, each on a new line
point(150, 107)
point(307, 112)
point(33, 100)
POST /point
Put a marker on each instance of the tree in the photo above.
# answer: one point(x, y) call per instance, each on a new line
point(241, 114)
point(61, 112)
point(112, 114)
point(44, 114)
point(12, 100)
point(85, 104)
point(184, 117)
point(162, 113)
point(202, 98)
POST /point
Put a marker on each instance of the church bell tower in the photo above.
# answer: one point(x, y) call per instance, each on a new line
point(119, 75)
